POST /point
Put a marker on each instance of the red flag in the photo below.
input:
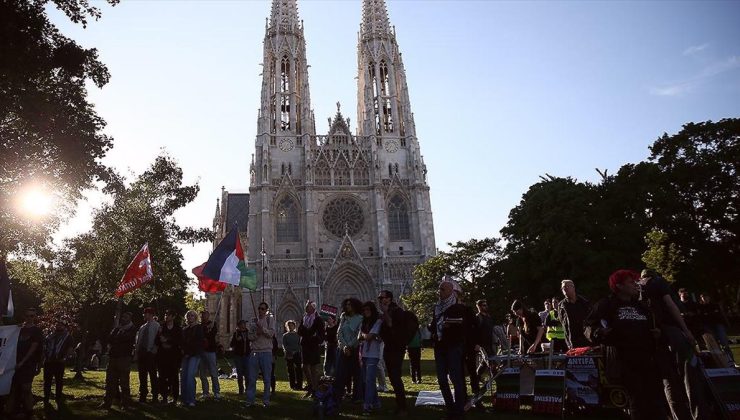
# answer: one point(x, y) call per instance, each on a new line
point(206, 284)
point(138, 273)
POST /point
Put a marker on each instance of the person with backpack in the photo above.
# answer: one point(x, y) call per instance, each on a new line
point(394, 331)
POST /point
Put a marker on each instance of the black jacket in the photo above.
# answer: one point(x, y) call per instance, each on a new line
point(311, 339)
point(459, 329)
point(240, 343)
point(391, 335)
point(121, 341)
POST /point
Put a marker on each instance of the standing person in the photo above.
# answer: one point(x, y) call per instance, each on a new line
point(414, 350)
point(682, 378)
point(58, 345)
point(394, 348)
point(330, 353)
point(348, 360)
point(208, 365)
point(146, 354)
point(169, 357)
point(241, 351)
point(192, 353)
point(691, 313)
point(292, 350)
point(484, 338)
point(451, 328)
point(312, 332)
point(118, 374)
point(555, 333)
point(371, 352)
point(571, 312)
point(624, 323)
point(273, 380)
point(543, 314)
point(714, 321)
point(28, 356)
point(529, 326)
point(261, 332)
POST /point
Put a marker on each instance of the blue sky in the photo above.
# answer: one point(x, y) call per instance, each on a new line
point(502, 92)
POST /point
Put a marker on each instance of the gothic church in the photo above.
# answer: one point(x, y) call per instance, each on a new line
point(329, 215)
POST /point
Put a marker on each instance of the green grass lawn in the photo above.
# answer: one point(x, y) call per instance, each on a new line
point(83, 397)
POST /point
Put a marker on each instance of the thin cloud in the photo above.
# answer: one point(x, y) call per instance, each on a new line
point(694, 49)
point(712, 70)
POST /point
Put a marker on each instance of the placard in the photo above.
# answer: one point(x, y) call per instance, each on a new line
point(726, 389)
point(582, 381)
point(549, 390)
point(327, 311)
point(8, 346)
point(506, 397)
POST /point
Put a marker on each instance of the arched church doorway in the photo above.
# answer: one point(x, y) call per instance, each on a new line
point(348, 280)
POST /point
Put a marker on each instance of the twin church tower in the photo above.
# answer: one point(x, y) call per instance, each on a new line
point(334, 215)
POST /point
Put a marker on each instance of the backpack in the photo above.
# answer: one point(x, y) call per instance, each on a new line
point(409, 326)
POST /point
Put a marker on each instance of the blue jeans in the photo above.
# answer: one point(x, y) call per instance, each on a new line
point(259, 361)
point(242, 370)
point(369, 370)
point(208, 367)
point(449, 362)
point(348, 369)
point(187, 385)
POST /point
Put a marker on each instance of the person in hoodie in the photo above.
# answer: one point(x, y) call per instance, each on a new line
point(623, 322)
point(261, 331)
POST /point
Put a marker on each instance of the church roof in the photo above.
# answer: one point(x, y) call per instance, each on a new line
point(237, 211)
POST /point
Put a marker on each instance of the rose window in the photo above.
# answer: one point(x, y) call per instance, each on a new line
point(342, 215)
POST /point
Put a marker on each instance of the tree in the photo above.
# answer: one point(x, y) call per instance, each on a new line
point(661, 255)
point(700, 168)
point(50, 135)
point(89, 268)
point(471, 262)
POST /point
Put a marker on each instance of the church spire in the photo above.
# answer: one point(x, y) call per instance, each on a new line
point(375, 21)
point(284, 16)
point(383, 104)
point(286, 103)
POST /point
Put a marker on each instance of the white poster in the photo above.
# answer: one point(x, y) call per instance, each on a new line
point(8, 346)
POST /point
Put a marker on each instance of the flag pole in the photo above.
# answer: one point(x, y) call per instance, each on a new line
point(117, 316)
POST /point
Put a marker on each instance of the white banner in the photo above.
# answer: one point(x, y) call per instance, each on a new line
point(8, 346)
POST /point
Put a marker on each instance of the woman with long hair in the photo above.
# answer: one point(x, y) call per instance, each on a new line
point(530, 328)
point(371, 351)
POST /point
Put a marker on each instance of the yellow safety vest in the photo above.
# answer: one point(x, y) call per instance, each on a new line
point(556, 331)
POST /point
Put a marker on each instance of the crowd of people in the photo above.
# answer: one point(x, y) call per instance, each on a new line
point(651, 332)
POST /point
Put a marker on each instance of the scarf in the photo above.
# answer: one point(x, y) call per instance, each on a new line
point(309, 319)
point(439, 310)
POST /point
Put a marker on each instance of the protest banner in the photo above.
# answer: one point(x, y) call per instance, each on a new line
point(8, 345)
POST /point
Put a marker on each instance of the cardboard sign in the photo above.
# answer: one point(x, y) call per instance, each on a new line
point(549, 391)
point(327, 311)
point(582, 381)
point(506, 397)
point(725, 384)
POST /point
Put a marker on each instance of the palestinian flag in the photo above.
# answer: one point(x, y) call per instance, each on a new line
point(205, 284)
point(227, 264)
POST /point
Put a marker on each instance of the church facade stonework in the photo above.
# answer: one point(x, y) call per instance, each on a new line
point(334, 215)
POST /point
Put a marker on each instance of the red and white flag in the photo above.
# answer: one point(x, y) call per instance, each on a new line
point(138, 273)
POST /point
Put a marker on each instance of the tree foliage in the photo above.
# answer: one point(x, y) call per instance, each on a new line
point(50, 135)
point(86, 271)
point(661, 255)
point(676, 212)
point(469, 261)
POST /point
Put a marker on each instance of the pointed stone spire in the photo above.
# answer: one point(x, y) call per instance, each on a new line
point(284, 16)
point(375, 22)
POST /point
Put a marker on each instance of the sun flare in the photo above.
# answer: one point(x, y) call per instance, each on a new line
point(37, 202)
